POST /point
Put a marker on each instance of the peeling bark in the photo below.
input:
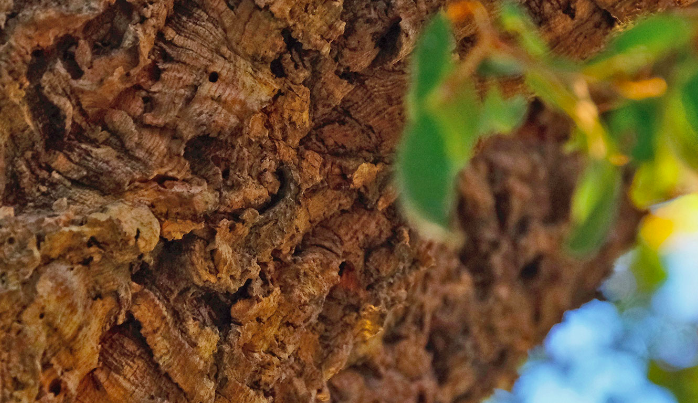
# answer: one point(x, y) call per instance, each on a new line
point(197, 207)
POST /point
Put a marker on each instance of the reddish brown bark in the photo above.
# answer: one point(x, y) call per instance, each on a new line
point(197, 207)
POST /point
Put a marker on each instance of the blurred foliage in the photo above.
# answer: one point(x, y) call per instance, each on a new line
point(594, 206)
point(444, 126)
point(647, 267)
point(635, 109)
point(635, 113)
point(683, 383)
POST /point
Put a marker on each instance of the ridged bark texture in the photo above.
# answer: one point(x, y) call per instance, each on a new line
point(197, 207)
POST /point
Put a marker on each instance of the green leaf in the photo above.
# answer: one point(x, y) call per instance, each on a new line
point(500, 65)
point(689, 97)
point(655, 180)
point(648, 41)
point(552, 90)
point(653, 35)
point(458, 120)
point(634, 127)
point(514, 19)
point(594, 207)
point(424, 169)
point(432, 59)
point(682, 383)
point(678, 125)
point(556, 92)
point(425, 176)
point(501, 115)
point(647, 268)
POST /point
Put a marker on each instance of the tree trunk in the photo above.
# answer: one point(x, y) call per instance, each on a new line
point(197, 207)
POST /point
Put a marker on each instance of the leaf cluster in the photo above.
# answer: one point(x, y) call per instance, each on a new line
point(634, 108)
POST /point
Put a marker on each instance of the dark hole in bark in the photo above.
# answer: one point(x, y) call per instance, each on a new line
point(11, 240)
point(156, 72)
point(140, 272)
point(218, 309)
point(49, 117)
point(93, 242)
point(343, 267)
point(291, 42)
point(37, 65)
point(570, 10)
point(242, 292)
point(277, 68)
point(531, 269)
point(8, 20)
point(200, 151)
point(17, 384)
point(388, 44)
point(107, 30)
point(287, 188)
point(501, 204)
point(393, 338)
point(147, 104)
point(610, 19)
point(161, 179)
point(348, 76)
point(501, 358)
point(213, 77)
point(522, 226)
point(160, 54)
point(465, 44)
point(368, 371)
point(55, 387)
point(66, 51)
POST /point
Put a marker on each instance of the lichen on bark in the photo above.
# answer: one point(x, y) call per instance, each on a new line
point(197, 206)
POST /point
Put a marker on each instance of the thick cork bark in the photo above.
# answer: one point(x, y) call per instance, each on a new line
point(197, 207)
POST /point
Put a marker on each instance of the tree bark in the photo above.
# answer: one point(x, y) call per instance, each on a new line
point(197, 207)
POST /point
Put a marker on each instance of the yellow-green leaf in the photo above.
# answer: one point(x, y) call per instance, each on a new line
point(647, 268)
point(689, 96)
point(514, 19)
point(594, 207)
point(679, 130)
point(655, 180)
point(458, 119)
point(552, 90)
point(501, 115)
point(642, 45)
point(683, 383)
